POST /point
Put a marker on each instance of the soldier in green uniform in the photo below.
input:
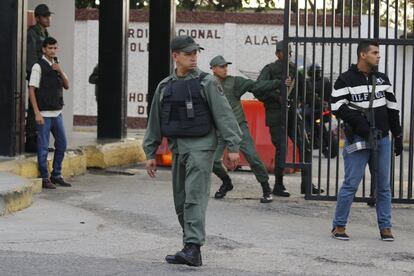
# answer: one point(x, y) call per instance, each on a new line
point(273, 108)
point(234, 89)
point(36, 34)
point(187, 108)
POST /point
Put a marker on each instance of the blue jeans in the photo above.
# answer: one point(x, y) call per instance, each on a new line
point(55, 126)
point(355, 164)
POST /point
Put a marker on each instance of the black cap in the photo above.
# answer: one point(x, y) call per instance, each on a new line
point(42, 10)
point(184, 43)
point(280, 44)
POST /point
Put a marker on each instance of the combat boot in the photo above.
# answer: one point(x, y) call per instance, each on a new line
point(190, 255)
point(315, 189)
point(279, 189)
point(225, 187)
point(267, 193)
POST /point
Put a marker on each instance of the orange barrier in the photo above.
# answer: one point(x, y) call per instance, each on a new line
point(255, 116)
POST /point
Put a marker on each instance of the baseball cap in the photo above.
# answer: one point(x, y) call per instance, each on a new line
point(184, 43)
point(42, 10)
point(279, 46)
point(218, 61)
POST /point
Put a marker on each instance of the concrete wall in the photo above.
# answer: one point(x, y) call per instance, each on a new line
point(248, 46)
point(63, 29)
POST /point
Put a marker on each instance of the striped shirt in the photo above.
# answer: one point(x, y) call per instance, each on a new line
point(354, 87)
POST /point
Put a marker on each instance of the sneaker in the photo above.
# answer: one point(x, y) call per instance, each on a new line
point(386, 235)
point(280, 190)
point(60, 181)
point(46, 184)
point(267, 193)
point(338, 233)
point(315, 190)
point(224, 188)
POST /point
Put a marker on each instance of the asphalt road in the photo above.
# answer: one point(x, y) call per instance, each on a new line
point(113, 223)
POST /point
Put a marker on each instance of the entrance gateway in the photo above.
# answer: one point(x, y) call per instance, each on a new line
point(327, 35)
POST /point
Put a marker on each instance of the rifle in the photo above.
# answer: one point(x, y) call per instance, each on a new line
point(374, 136)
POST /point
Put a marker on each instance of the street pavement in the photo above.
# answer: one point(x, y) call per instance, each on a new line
point(121, 222)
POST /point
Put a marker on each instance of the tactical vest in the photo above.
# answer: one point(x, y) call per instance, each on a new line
point(228, 86)
point(49, 95)
point(184, 112)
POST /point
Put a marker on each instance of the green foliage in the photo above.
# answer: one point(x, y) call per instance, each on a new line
point(192, 5)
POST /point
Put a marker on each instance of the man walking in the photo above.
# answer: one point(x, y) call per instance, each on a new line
point(352, 95)
point(187, 108)
point(36, 34)
point(234, 88)
point(273, 108)
point(45, 91)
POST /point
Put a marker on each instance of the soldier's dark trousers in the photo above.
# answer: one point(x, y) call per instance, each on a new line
point(191, 174)
point(276, 133)
point(31, 131)
point(248, 148)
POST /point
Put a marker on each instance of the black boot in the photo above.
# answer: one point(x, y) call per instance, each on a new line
point(315, 189)
point(224, 188)
point(171, 259)
point(279, 189)
point(190, 255)
point(267, 193)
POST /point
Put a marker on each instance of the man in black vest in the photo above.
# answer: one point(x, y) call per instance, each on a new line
point(36, 34)
point(45, 91)
point(188, 107)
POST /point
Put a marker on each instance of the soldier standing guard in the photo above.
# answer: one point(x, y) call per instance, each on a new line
point(273, 110)
point(36, 34)
point(187, 108)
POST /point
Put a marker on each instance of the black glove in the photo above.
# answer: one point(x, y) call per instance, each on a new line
point(360, 127)
point(398, 145)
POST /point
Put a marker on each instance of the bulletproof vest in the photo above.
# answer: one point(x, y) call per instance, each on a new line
point(49, 95)
point(228, 86)
point(184, 112)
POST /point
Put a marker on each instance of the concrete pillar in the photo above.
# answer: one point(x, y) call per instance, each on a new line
point(161, 30)
point(113, 60)
point(12, 74)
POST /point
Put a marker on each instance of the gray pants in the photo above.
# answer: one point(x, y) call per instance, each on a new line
point(248, 148)
point(191, 174)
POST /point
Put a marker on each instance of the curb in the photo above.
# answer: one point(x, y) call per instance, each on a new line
point(76, 162)
point(16, 193)
point(129, 151)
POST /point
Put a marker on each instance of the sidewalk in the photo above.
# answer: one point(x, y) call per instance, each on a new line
point(84, 151)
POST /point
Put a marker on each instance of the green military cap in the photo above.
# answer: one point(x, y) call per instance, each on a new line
point(184, 43)
point(218, 61)
point(279, 46)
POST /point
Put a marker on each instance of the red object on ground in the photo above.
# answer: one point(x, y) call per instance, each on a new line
point(163, 156)
point(255, 116)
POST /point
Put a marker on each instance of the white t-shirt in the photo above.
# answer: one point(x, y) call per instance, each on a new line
point(34, 81)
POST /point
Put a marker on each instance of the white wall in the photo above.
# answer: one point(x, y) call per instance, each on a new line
point(248, 46)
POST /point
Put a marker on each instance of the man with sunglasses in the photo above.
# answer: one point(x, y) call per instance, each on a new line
point(234, 88)
point(273, 109)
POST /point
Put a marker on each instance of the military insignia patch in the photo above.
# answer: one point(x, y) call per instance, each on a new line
point(220, 89)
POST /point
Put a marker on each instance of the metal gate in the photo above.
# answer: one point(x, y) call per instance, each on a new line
point(324, 36)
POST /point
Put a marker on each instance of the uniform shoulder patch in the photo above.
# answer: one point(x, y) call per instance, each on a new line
point(220, 89)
